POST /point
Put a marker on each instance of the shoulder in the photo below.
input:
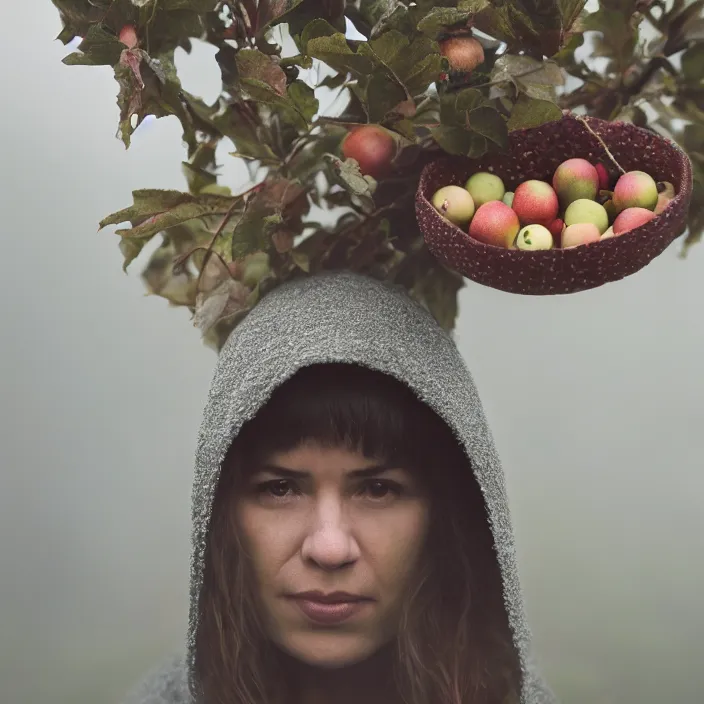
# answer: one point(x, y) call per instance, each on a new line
point(165, 684)
point(535, 689)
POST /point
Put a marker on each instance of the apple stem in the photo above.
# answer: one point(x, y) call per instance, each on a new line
point(603, 144)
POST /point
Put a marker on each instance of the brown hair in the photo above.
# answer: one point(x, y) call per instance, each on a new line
point(454, 644)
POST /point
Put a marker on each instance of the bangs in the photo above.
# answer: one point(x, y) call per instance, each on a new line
point(349, 406)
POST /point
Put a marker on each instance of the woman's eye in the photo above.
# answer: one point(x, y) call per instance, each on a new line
point(278, 488)
point(378, 489)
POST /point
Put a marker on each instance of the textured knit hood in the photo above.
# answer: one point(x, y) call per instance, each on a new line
point(348, 318)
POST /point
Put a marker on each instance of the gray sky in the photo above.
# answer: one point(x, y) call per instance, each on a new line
point(597, 413)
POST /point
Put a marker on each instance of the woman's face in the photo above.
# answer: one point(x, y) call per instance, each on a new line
point(316, 521)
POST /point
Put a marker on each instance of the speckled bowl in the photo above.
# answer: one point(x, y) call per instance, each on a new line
point(535, 154)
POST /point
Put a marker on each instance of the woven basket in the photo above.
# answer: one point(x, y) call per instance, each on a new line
point(535, 154)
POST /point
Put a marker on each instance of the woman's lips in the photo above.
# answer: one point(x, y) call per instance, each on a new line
point(330, 614)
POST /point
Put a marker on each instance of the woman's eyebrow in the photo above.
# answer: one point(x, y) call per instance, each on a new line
point(372, 471)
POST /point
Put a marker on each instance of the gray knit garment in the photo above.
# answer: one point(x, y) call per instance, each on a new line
point(342, 317)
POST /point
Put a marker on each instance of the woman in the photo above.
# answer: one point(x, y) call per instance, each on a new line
point(351, 539)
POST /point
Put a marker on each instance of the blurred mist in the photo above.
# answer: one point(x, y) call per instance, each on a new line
point(597, 413)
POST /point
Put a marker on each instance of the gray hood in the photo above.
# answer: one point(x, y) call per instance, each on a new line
point(345, 317)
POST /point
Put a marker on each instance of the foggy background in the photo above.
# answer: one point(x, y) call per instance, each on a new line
point(595, 400)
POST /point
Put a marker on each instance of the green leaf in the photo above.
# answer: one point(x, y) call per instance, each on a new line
point(532, 112)
point(254, 230)
point(458, 140)
point(439, 18)
point(383, 96)
point(168, 29)
point(455, 106)
point(259, 71)
point(156, 210)
point(237, 123)
point(473, 6)
point(524, 70)
point(536, 90)
point(422, 74)
point(633, 113)
point(467, 99)
point(297, 60)
point(303, 98)
point(529, 25)
point(570, 11)
point(693, 63)
point(414, 65)
point(265, 210)
point(353, 179)
point(468, 120)
point(199, 171)
point(693, 139)
point(566, 56)
point(333, 81)
point(275, 11)
point(265, 82)
point(619, 35)
point(401, 19)
point(160, 279)
point(437, 289)
point(310, 159)
point(316, 29)
point(144, 91)
point(405, 128)
point(230, 297)
point(150, 86)
point(497, 22)
point(372, 13)
point(489, 123)
point(66, 35)
point(99, 48)
point(131, 249)
point(684, 23)
point(335, 52)
point(301, 259)
point(78, 16)
point(310, 12)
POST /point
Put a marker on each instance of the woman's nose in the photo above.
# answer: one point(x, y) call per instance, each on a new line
point(330, 543)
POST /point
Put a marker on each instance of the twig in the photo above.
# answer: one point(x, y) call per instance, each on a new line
point(424, 103)
point(657, 62)
point(217, 234)
point(374, 215)
point(601, 141)
point(325, 120)
point(250, 190)
point(297, 147)
point(183, 258)
point(535, 69)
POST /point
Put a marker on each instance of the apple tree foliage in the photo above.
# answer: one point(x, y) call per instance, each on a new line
point(218, 252)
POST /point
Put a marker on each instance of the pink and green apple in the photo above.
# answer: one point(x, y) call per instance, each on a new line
point(580, 233)
point(454, 203)
point(635, 189)
point(535, 202)
point(485, 187)
point(584, 211)
point(630, 218)
point(575, 179)
point(496, 224)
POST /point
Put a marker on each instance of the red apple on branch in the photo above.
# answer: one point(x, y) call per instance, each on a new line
point(372, 147)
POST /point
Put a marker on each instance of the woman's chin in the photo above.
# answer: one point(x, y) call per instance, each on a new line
point(329, 651)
